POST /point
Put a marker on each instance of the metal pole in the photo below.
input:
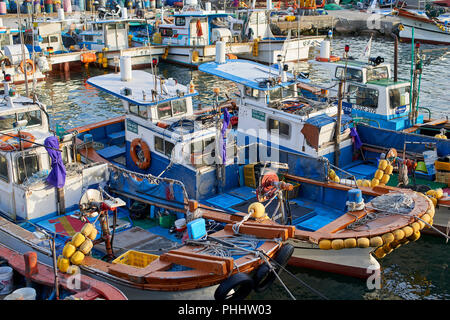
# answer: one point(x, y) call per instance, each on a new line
point(23, 48)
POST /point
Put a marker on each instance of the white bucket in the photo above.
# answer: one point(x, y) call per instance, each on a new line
point(180, 224)
point(6, 282)
point(26, 293)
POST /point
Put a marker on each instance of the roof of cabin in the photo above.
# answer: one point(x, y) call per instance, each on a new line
point(245, 72)
point(141, 82)
point(387, 82)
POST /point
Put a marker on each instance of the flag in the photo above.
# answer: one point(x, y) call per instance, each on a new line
point(366, 53)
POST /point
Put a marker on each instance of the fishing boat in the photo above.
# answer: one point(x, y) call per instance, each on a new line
point(207, 254)
point(193, 31)
point(428, 27)
point(33, 280)
point(111, 39)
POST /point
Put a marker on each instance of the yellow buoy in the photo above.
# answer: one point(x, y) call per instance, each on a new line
point(434, 200)
point(408, 231)
point(385, 178)
point(395, 244)
point(431, 211)
point(78, 239)
point(421, 224)
point(439, 193)
point(359, 182)
point(388, 237)
point(337, 244)
point(62, 263)
point(379, 253)
point(363, 242)
point(93, 234)
point(389, 169)
point(69, 250)
point(374, 182)
point(382, 164)
point(350, 243)
point(379, 174)
point(336, 179)
point(415, 226)
point(257, 210)
point(415, 236)
point(331, 174)
point(426, 217)
point(376, 241)
point(366, 183)
point(87, 229)
point(398, 234)
point(77, 258)
point(86, 246)
point(387, 248)
point(325, 244)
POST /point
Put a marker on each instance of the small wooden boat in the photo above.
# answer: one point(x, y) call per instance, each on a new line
point(28, 271)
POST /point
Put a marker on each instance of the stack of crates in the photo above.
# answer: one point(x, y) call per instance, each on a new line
point(442, 171)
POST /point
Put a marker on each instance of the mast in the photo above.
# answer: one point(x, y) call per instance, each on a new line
point(19, 17)
point(337, 133)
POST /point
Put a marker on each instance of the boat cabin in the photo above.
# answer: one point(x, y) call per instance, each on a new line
point(111, 34)
point(162, 134)
point(271, 113)
point(25, 162)
point(251, 24)
point(372, 93)
point(47, 37)
point(194, 26)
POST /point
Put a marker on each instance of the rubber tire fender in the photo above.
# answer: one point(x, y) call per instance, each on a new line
point(241, 283)
point(264, 277)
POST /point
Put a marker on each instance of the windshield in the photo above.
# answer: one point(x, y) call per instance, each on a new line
point(26, 167)
point(377, 73)
point(33, 118)
point(281, 93)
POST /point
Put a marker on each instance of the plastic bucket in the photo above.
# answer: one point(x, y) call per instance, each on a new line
point(6, 282)
point(180, 224)
point(26, 293)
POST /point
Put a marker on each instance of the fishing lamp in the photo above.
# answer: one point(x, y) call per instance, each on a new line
point(7, 77)
point(155, 61)
point(417, 45)
point(347, 48)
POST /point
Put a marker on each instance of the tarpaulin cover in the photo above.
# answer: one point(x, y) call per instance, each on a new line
point(356, 140)
point(394, 139)
point(56, 177)
point(158, 191)
point(323, 119)
point(226, 123)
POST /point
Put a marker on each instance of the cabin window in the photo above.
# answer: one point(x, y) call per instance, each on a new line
point(366, 98)
point(88, 38)
point(4, 40)
point(237, 27)
point(110, 27)
point(33, 118)
point(7, 122)
point(282, 127)
point(352, 74)
point(398, 97)
point(203, 150)
point(140, 111)
point(120, 26)
point(53, 39)
point(179, 107)
point(4, 169)
point(275, 94)
point(26, 166)
point(164, 110)
point(377, 73)
point(250, 92)
point(180, 21)
point(166, 32)
point(163, 146)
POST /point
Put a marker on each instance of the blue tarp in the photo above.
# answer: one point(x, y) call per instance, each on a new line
point(394, 139)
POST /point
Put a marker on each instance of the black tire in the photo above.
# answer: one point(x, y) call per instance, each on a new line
point(264, 277)
point(236, 287)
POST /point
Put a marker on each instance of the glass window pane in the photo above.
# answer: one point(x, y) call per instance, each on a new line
point(179, 107)
point(169, 146)
point(164, 110)
point(32, 117)
point(159, 144)
point(4, 169)
point(180, 21)
point(26, 167)
point(7, 121)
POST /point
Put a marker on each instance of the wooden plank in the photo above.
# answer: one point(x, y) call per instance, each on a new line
point(430, 123)
point(228, 260)
point(216, 267)
point(260, 231)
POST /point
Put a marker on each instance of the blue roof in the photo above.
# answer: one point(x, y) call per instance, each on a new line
point(246, 72)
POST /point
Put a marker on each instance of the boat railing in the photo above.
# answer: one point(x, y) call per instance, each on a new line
point(426, 109)
point(357, 120)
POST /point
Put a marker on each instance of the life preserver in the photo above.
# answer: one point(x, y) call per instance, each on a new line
point(140, 157)
point(236, 287)
point(264, 277)
point(5, 146)
point(28, 62)
point(330, 59)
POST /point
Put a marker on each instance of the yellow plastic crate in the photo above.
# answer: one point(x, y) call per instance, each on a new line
point(136, 259)
point(442, 166)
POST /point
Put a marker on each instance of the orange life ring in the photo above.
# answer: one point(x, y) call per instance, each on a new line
point(28, 62)
point(331, 59)
point(6, 146)
point(140, 158)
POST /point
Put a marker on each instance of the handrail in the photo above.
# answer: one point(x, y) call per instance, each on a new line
point(427, 109)
point(360, 119)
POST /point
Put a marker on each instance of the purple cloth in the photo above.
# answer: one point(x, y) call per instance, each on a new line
point(57, 176)
point(226, 123)
point(356, 140)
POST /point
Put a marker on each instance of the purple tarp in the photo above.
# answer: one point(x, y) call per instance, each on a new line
point(226, 123)
point(57, 176)
point(356, 140)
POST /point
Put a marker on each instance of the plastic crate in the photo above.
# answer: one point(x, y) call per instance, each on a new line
point(443, 177)
point(135, 259)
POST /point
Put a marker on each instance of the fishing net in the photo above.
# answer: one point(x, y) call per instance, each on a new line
point(393, 203)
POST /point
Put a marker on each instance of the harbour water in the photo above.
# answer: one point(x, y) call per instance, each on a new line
point(418, 270)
